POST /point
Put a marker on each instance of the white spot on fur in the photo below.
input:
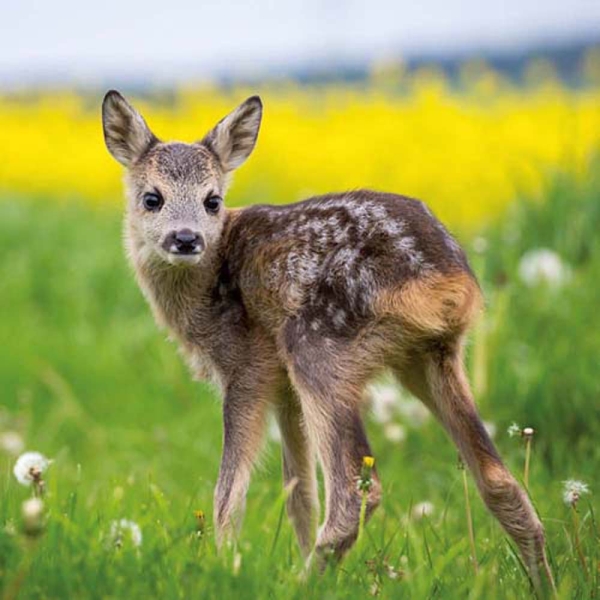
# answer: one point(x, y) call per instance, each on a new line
point(393, 228)
point(339, 318)
point(378, 211)
point(406, 246)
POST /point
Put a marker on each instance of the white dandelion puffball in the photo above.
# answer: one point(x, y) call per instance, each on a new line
point(414, 411)
point(389, 401)
point(514, 430)
point(480, 245)
point(32, 508)
point(123, 530)
point(573, 490)
point(384, 402)
point(11, 442)
point(422, 509)
point(29, 466)
point(32, 511)
point(543, 266)
point(394, 432)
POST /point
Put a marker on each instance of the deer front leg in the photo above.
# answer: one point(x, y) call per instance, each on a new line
point(244, 415)
point(342, 446)
point(329, 378)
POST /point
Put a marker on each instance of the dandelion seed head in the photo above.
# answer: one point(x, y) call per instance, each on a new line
point(11, 443)
point(33, 507)
point(384, 402)
point(543, 266)
point(528, 431)
point(394, 432)
point(480, 245)
point(392, 572)
point(414, 411)
point(388, 402)
point(573, 490)
point(32, 512)
point(123, 530)
point(29, 467)
point(10, 529)
point(421, 510)
point(513, 430)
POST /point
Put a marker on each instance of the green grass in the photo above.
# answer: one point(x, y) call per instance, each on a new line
point(88, 380)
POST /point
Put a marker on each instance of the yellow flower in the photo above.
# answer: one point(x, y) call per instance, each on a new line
point(200, 521)
point(368, 461)
point(466, 154)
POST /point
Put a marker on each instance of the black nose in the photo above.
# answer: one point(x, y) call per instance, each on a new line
point(186, 237)
point(184, 241)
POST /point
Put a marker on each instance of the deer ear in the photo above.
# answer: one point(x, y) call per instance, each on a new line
point(234, 137)
point(126, 134)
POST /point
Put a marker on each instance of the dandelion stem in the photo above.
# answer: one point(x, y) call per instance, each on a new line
point(363, 513)
point(527, 433)
point(527, 461)
point(578, 540)
point(470, 521)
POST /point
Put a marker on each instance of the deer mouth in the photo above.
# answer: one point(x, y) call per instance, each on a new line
point(187, 258)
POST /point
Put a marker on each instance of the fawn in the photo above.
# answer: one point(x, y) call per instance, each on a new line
point(294, 309)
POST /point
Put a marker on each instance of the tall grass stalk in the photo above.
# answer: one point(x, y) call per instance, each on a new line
point(527, 462)
point(363, 514)
point(577, 540)
point(469, 519)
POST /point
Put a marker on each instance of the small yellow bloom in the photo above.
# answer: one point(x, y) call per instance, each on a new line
point(200, 521)
point(365, 480)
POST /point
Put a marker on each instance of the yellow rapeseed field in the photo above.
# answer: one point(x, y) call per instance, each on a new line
point(467, 153)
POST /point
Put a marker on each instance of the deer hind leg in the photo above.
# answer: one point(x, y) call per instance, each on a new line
point(329, 379)
point(437, 377)
point(299, 469)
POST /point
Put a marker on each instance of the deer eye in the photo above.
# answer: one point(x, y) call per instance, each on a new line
point(212, 204)
point(152, 201)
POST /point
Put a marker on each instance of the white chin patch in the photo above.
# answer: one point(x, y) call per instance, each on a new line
point(183, 259)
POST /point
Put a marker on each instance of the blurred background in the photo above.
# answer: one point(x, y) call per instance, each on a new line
point(488, 112)
point(462, 107)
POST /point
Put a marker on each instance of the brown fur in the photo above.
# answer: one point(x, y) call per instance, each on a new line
point(435, 304)
point(295, 309)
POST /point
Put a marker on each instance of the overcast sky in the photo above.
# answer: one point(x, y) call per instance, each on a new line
point(165, 39)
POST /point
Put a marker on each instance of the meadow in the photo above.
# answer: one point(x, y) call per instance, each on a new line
point(89, 381)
